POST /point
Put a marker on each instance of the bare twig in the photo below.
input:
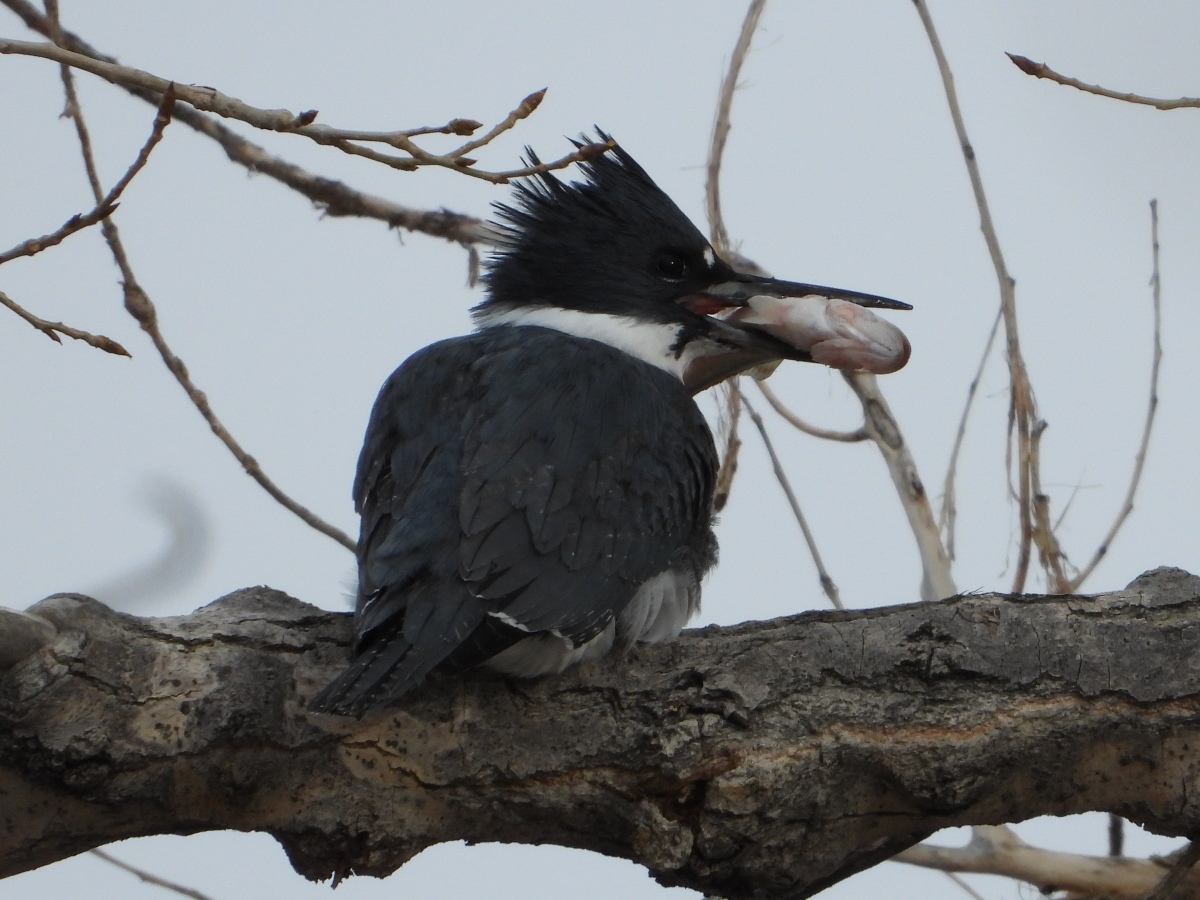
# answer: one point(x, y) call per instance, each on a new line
point(1022, 405)
point(139, 305)
point(461, 127)
point(722, 126)
point(150, 877)
point(1041, 70)
point(523, 111)
point(882, 428)
point(77, 222)
point(141, 308)
point(1151, 409)
point(1050, 553)
point(827, 584)
point(52, 330)
point(998, 851)
point(334, 137)
point(937, 581)
point(848, 437)
point(949, 511)
point(211, 100)
point(108, 203)
point(729, 399)
point(730, 404)
point(334, 198)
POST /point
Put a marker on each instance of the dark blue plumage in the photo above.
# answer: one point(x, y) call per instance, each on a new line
point(539, 492)
point(550, 506)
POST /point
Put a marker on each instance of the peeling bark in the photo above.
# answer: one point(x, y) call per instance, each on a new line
point(769, 759)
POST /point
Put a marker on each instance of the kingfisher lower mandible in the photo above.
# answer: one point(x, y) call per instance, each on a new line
point(539, 492)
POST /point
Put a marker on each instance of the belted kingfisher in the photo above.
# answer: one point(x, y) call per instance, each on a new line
point(539, 492)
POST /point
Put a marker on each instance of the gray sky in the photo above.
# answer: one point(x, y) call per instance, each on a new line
point(842, 169)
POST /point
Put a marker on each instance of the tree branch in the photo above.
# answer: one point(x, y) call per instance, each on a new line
point(948, 516)
point(722, 126)
point(105, 206)
point(335, 198)
point(1022, 409)
point(996, 851)
point(775, 757)
point(211, 100)
point(1151, 408)
point(846, 437)
point(937, 581)
point(729, 397)
point(1185, 863)
point(139, 305)
point(729, 408)
point(827, 582)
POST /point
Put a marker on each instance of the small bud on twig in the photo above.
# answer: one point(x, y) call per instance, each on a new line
point(1026, 65)
point(463, 127)
point(530, 103)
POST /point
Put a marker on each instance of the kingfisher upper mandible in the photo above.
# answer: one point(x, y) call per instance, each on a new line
point(539, 492)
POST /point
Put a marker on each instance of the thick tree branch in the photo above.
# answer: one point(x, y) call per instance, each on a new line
point(774, 757)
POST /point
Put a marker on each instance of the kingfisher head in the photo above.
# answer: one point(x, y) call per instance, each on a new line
point(613, 258)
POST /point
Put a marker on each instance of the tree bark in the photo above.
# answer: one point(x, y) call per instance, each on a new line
point(769, 759)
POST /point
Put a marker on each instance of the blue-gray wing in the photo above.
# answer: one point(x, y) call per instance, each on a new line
point(586, 472)
point(412, 609)
point(516, 480)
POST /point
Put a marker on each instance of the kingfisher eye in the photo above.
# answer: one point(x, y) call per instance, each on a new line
point(671, 266)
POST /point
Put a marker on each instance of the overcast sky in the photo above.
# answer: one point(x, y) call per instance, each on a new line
point(842, 169)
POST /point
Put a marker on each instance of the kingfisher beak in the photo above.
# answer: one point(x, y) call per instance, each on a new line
point(739, 289)
point(746, 345)
point(736, 347)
